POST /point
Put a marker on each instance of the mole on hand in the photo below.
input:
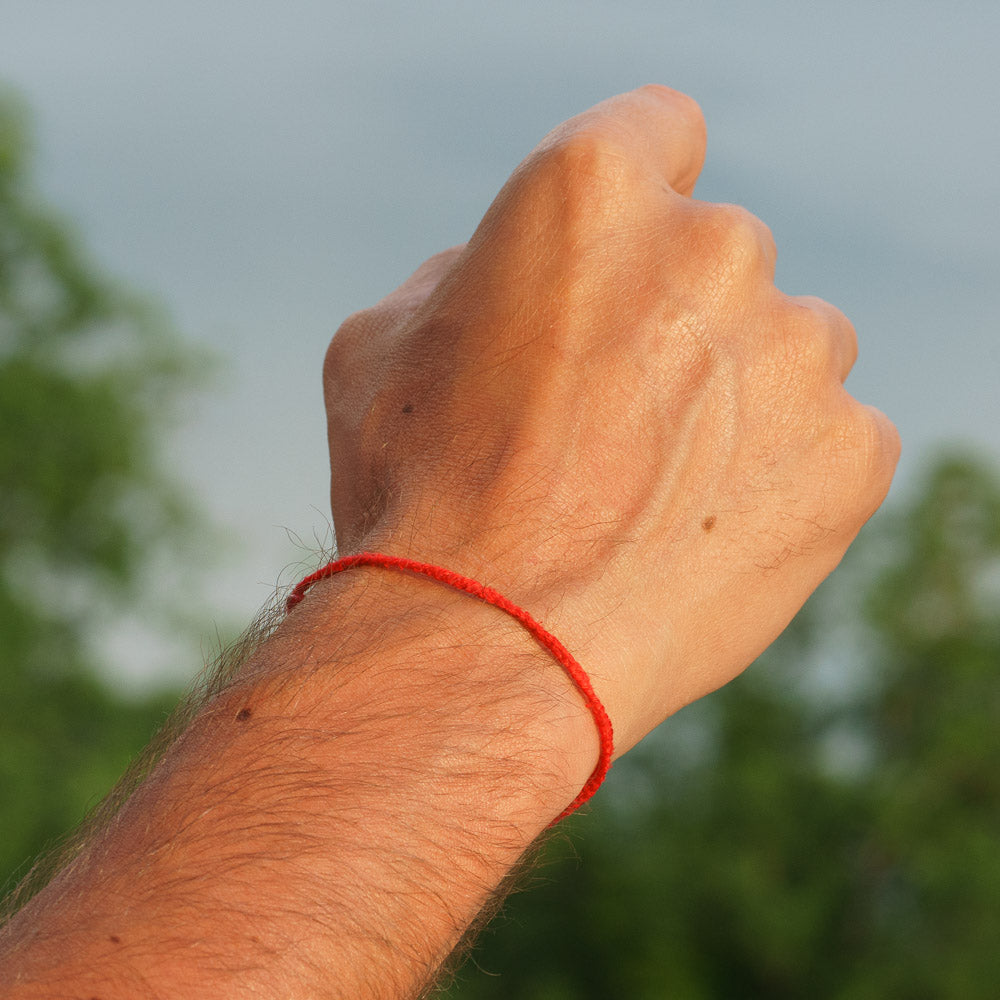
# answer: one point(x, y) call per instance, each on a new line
point(709, 523)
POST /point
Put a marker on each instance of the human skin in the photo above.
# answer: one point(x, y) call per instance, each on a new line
point(657, 453)
point(601, 407)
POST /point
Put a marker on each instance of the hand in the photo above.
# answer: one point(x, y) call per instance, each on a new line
point(603, 407)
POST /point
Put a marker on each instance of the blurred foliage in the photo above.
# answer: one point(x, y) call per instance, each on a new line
point(795, 835)
point(88, 376)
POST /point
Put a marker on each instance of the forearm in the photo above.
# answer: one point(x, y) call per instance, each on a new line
point(331, 824)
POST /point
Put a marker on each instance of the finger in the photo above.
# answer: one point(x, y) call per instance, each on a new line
point(839, 339)
point(661, 126)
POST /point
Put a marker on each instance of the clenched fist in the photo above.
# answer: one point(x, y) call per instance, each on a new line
point(603, 407)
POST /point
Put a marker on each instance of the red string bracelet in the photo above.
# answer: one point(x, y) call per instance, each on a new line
point(490, 596)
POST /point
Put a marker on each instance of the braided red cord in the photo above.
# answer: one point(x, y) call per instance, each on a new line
point(490, 596)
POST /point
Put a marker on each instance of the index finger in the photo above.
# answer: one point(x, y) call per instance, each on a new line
point(660, 126)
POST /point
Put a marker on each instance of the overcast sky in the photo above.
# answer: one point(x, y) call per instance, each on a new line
point(267, 168)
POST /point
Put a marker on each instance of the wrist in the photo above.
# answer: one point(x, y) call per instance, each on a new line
point(459, 664)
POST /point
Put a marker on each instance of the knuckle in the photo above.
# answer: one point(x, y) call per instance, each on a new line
point(844, 341)
point(866, 446)
point(804, 344)
point(741, 228)
point(588, 164)
point(590, 148)
point(343, 355)
point(880, 444)
point(818, 335)
point(740, 243)
point(579, 187)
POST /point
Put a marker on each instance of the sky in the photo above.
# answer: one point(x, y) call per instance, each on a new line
point(265, 169)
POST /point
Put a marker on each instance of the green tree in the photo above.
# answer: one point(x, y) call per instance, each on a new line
point(88, 373)
point(933, 907)
point(792, 836)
